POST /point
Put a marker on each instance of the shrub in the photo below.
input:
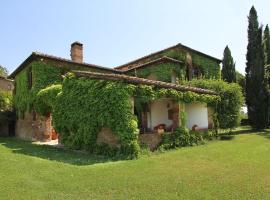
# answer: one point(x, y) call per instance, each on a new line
point(208, 135)
point(6, 102)
point(180, 137)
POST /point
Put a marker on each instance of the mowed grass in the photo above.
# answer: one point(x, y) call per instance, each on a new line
point(232, 169)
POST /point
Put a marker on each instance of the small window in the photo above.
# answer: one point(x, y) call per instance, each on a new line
point(174, 78)
point(30, 79)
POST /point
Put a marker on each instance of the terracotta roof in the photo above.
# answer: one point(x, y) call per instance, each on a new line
point(161, 51)
point(36, 55)
point(136, 80)
point(159, 60)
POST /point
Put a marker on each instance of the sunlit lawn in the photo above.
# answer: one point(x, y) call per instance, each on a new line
point(231, 169)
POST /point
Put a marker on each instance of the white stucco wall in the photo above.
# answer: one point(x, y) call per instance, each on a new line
point(197, 114)
point(159, 113)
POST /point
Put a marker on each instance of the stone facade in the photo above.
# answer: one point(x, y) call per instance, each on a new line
point(6, 84)
point(151, 140)
point(34, 127)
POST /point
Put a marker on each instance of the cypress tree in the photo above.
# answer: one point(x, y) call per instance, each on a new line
point(228, 67)
point(257, 97)
point(266, 48)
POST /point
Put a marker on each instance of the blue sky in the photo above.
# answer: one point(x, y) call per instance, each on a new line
point(115, 32)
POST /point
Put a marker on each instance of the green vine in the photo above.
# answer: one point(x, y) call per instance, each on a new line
point(85, 106)
point(231, 100)
point(162, 72)
point(42, 76)
point(44, 73)
point(209, 68)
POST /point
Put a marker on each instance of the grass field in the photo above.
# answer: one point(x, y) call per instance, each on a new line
point(233, 169)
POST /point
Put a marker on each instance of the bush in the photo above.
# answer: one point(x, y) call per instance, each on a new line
point(208, 135)
point(180, 137)
point(6, 102)
point(231, 100)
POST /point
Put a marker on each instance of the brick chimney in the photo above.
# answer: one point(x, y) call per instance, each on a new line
point(76, 52)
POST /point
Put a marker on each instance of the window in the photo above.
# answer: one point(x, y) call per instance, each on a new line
point(197, 73)
point(174, 78)
point(30, 78)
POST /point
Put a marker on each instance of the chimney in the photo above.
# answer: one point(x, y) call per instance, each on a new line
point(76, 52)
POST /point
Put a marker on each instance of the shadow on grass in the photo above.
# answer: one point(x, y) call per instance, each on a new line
point(227, 137)
point(52, 153)
point(264, 133)
point(243, 130)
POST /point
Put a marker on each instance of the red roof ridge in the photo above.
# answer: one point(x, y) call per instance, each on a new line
point(160, 51)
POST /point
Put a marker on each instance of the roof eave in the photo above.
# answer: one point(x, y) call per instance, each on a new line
point(166, 49)
point(136, 80)
point(35, 55)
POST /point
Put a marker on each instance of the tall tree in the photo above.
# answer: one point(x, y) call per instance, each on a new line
point(266, 48)
point(257, 96)
point(3, 71)
point(228, 67)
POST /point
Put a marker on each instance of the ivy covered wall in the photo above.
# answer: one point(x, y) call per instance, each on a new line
point(231, 100)
point(44, 73)
point(209, 68)
point(42, 76)
point(84, 106)
point(162, 71)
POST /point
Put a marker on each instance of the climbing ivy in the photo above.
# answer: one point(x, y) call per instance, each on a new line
point(231, 100)
point(85, 106)
point(162, 72)
point(148, 93)
point(45, 99)
point(44, 73)
point(209, 68)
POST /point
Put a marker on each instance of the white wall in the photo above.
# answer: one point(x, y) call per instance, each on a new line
point(159, 113)
point(197, 114)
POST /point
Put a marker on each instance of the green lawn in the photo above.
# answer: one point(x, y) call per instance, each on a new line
point(231, 169)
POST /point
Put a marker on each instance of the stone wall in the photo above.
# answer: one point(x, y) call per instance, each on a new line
point(151, 140)
point(6, 84)
point(34, 127)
